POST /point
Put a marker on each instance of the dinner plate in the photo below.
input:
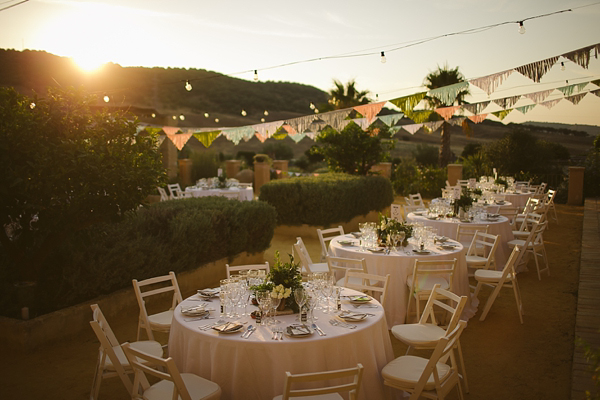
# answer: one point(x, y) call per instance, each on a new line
point(352, 316)
point(376, 250)
point(442, 239)
point(359, 299)
point(346, 242)
point(298, 331)
point(448, 246)
point(208, 293)
point(194, 311)
point(356, 234)
point(421, 251)
point(233, 329)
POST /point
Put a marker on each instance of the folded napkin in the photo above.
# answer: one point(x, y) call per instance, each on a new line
point(359, 298)
point(298, 330)
point(351, 315)
point(228, 327)
point(209, 292)
point(194, 311)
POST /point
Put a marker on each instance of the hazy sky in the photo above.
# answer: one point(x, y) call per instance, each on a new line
point(231, 36)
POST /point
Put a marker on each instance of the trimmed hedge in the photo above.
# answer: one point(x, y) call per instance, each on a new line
point(326, 199)
point(169, 236)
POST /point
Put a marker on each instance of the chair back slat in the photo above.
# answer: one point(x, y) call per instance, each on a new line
point(352, 387)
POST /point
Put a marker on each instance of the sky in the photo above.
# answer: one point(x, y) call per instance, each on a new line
point(237, 37)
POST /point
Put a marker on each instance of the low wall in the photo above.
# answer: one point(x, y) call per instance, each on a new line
point(310, 231)
point(28, 335)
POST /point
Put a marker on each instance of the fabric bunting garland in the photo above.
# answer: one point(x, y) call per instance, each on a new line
point(576, 98)
point(502, 114)
point(447, 94)
point(536, 70)
point(570, 89)
point(538, 97)
point(507, 102)
point(478, 118)
point(301, 124)
point(298, 137)
point(596, 92)
point(526, 109)
point(362, 122)
point(447, 112)
point(390, 120)
point(419, 116)
point(431, 127)
point(266, 130)
point(476, 108)
point(408, 103)
point(180, 140)
point(491, 82)
point(170, 130)
point(457, 121)
point(412, 129)
point(370, 111)
point(336, 119)
point(206, 138)
point(582, 56)
point(235, 135)
point(551, 103)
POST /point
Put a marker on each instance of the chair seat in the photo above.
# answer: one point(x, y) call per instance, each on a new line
point(488, 275)
point(405, 371)
point(162, 320)
point(476, 260)
point(199, 388)
point(330, 396)
point(418, 335)
point(516, 242)
point(147, 346)
point(426, 284)
point(520, 233)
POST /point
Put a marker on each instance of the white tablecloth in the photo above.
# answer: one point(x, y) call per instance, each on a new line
point(255, 368)
point(518, 199)
point(244, 194)
point(400, 266)
point(449, 226)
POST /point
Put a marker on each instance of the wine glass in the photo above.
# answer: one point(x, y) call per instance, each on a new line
point(264, 303)
point(300, 297)
point(275, 302)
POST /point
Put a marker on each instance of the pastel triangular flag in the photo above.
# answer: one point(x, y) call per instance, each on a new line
point(408, 103)
point(206, 138)
point(447, 94)
point(370, 111)
point(537, 69)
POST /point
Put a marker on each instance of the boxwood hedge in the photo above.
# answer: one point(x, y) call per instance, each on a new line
point(326, 199)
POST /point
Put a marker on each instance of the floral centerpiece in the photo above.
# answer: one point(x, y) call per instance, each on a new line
point(388, 225)
point(222, 181)
point(463, 203)
point(501, 181)
point(283, 278)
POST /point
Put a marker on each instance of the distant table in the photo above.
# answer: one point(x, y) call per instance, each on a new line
point(400, 266)
point(254, 368)
point(518, 199)
point(243, 194)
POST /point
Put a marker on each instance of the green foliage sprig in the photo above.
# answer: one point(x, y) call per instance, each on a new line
point(388, 225)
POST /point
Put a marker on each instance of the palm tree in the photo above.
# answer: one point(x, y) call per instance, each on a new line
point(444, 76)
point(346, 96)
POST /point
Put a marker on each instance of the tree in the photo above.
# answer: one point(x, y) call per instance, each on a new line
point(65, 168)
point(345, 96)
point(352, 150)
point(444, 76)
point(278, 151)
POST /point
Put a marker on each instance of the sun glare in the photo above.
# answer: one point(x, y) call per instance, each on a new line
point(88, 62)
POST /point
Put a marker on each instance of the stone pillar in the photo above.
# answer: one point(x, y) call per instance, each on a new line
point(185, 171)
point(281, 165)
point(454, 173)
point(169, 158)
point(383, 169)
point(575, 186)
point(262, 175)
point(232, 167)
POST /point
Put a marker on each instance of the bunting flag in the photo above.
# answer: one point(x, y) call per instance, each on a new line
point(170, 130)
point(536, 70)
point(551, 103)
point(298, 137)
point(576, 98)
point(491, 82)
point(507, 102)
point(180, 140)
point(289, 130)
point(412, 129)
point(447, 112)
point(570, 89)
point(526, 109)
point(370, 111)
point(390, 120)
point(457, 121)
point(538, 97)
point(596, 82)
point(302, 124)
point(447, 94)
point(206, 138)
point(362, 122)
point(419, 116)
point(267, 129)
point(280, 135)
point(311, 135)
point(479, 118)
point(153, 129)
point(408, 103)
point(502, 114)
point(336, 119)
point(161, 139)
point(596, 92)
point(431, 127)
point(475, 108)
point(235, 135)
point(582, 56)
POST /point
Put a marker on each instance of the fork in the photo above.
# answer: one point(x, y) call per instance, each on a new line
point(335, 322)
point(208, 326)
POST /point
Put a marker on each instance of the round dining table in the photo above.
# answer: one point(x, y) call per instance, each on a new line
point(400, 265)
point(449, 227)
point(518, 199)
point(243, 193)
point(254, 368)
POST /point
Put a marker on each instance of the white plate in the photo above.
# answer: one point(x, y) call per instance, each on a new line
point(359, 299)
point(347, 242)
point(238, 328)
point(289, 331)
point(421, 251)
point(376, 250)
point(352, 316)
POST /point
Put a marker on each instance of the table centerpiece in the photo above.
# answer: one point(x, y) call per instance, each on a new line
point(388, 225)
point(282, 279)
point(463, 203)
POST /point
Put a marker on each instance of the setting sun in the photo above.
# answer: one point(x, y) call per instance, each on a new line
point(88, 62)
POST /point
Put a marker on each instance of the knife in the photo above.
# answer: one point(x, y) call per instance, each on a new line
point(319, 330)
point(250, 327)
point(250, 331)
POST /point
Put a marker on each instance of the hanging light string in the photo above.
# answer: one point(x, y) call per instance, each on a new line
point(12, 5)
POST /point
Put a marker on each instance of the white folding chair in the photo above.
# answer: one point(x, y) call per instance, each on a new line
point(432, 378)
point(550, 203)
point(172, 385)
point(417, 200)
point(160, 322)
point(499, 279)
point(248, 267)
point(325, 236)
point(428, 331)
point(526, 224)
point(339, 267)
point(409, 209)
point(368, 284)
point(176, 192)
point(466, 232)
point(352, 377)
point(111, 359)
point(533, 245)
point(426, 274)
point(482, 250)
point(509, 212)
point(163, 194)
point(523, 243)
point(308, 266)
point(396, 212)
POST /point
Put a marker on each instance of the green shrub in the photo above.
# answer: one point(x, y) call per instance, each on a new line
point(204, 165)
point(174, 235)
point(409, 178)
point(326, 199)
point(426, 155)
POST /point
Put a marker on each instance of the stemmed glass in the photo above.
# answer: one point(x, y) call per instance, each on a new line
point(275, 301)
point(300, 297)
point(263, 299)
point(326, 290)
point(362, 227)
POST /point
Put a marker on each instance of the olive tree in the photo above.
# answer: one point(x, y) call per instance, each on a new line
point(65, 168)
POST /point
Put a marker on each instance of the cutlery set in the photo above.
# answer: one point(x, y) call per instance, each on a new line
point(319, 330)
point(249, 331)
point(209, 326)
point(277, 334)
point(341, 324)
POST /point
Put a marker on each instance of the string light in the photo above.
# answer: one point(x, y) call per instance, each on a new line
point(521, 28)
point(153, 115)
point(383, 60)
point(32, 105)
point(562, 66)
point(217, 120)
point(182, 117)
point(262, 120)
point(206, 115)
point(188, 86)
point(312, 106)
point(244, 113)
point(316, 110)
point(106, 98)
point(255, 76)
point(266, 113)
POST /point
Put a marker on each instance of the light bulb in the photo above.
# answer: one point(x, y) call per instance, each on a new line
point(188, 86)
point(262, 120)
point(383, 60)
point(562, 66)
point(106, 98)
point(206, 115)
point(153, 115)
point(266, 113)
point(521, 28)
point(174, 116)
point(376, 97)
point(244, 113)
point(312, 106)
point(217, 120)
point(182, 117)
point(316, 110)
point(255, 76)
point(32, 105)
